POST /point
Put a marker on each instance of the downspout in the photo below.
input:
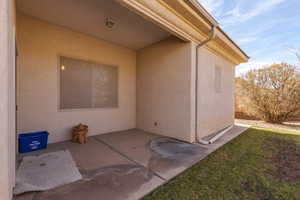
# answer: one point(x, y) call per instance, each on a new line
point(211, 37)
point(212, 140)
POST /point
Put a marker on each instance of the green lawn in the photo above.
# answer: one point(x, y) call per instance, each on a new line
point(259, 164)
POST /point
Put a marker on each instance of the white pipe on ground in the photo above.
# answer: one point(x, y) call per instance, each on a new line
point(212, 140)
point(202, 141)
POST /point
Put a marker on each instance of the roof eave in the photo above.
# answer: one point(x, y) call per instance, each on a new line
point(195, 5)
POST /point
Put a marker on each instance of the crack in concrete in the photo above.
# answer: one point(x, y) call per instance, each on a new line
point(130, 159)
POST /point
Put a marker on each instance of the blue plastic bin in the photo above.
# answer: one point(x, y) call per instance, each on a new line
point(33, 141)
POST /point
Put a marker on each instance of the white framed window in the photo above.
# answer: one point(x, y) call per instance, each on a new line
point(218, 79)
point(85, 84)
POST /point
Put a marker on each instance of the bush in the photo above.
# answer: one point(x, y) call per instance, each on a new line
point(273, 93)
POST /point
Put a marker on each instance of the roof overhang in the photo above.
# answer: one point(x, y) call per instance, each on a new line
point(188, 20)
point(205, 14)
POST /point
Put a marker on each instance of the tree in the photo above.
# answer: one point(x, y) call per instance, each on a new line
point(273, 92)
point(296, 52)
point(242, 109)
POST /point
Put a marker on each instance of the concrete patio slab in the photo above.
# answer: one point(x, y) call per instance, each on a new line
point(119, 182)
point(89, 156)
point(186, 155)
point(106, 175)
point(127, 164)
point(171, 157)
point(133, 143)
point(164, 156)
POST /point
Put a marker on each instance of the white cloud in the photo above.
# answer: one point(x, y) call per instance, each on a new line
point(246, 40)
point(236, 15)
point(211, 5)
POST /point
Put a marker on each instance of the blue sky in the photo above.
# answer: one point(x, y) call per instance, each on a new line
point(266, 30)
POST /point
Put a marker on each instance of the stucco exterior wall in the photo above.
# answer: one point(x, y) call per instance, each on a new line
point(39, 45)
point(163, 89)
point(215, 109)
point(7, 98)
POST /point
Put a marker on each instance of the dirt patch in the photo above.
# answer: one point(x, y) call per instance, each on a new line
point(285, 159)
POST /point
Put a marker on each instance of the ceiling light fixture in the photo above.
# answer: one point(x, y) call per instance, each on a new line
point(109, 23)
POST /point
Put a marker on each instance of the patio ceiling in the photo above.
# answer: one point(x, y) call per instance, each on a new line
point(89, 17)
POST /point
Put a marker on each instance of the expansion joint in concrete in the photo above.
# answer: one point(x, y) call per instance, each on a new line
point(128, 158)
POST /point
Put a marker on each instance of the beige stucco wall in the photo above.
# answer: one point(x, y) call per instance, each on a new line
point(7, 98)
point(163, 88)
point(39, 45)
point(215, 110)
point(165, 85)
point(165, 92)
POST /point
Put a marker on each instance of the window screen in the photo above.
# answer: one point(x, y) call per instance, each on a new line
point(218, 79)
point(85, 84)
